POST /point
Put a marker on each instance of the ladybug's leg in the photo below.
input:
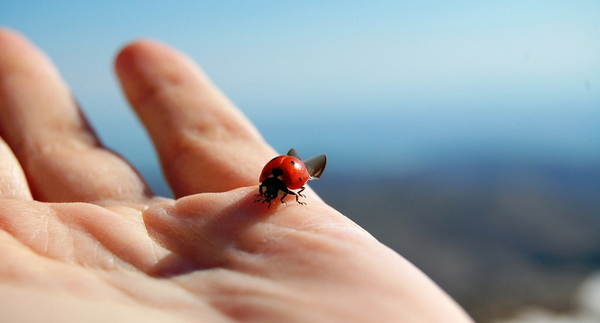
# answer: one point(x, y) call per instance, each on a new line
point(260, 193)
point(297, 195)
point(301, 190)
point(261, 190)
point(285, 193)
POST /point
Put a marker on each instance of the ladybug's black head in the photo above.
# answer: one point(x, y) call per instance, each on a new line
point(271, 194)
point(271, 187)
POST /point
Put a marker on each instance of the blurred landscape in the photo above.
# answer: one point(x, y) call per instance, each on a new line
point(496, 236)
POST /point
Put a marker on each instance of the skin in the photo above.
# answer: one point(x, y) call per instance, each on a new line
point(82, 236)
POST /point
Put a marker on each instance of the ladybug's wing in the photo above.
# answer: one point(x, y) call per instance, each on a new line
point(294, 153)
point(316, 165)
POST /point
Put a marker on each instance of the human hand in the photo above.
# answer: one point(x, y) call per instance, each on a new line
point(114, 251)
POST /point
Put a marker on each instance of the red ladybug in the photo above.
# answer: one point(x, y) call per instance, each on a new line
point(285, 173)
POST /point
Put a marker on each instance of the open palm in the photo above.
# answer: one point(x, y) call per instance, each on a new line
point(82, 237)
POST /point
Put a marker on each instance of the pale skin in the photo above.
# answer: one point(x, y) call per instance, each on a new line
point(82, 236)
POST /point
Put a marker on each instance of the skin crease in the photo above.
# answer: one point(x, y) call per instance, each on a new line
point(82, 237)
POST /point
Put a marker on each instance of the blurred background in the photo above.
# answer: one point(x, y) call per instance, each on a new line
point(463, 134)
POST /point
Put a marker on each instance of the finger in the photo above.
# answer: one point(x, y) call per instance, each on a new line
point(213, 229)
point(205, 143)
point(13, 183)
point(60, 154)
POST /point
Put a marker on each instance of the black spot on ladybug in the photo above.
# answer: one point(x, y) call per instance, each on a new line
point(293, 162)
point(299, 179)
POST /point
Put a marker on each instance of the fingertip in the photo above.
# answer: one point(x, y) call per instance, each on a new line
point(133, 54)
point(18, 53)
point(9, 35)
point(150, 58)
point(147, 69)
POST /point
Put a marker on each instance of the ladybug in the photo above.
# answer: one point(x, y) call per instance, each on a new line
point(285, 173)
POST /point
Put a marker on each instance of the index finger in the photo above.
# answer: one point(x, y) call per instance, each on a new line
point(204, 142)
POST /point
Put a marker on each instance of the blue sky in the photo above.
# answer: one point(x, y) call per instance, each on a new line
point(390, 83)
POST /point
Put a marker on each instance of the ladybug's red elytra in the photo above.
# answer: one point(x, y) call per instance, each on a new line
point(285, 173)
